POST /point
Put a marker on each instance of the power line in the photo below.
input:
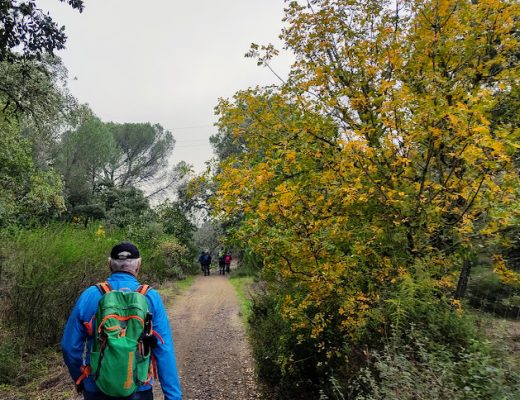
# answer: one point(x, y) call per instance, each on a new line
point(188, 146)
point(192, 140)
point(192, 127)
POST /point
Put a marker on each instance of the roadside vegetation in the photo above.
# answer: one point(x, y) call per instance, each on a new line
point(243, 286)
point(376, 190)
point(72, 187)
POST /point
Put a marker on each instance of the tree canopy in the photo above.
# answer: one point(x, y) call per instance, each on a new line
point(28, 32)
point(378, 166)
point(142, 151)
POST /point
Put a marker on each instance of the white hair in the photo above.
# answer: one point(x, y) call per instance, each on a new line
point(130, 265)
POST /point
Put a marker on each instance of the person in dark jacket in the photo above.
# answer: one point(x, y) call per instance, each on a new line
point(205, 262)
point(202, 259)
point(222, 262)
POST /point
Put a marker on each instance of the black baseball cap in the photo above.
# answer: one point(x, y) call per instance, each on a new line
point(124, 251)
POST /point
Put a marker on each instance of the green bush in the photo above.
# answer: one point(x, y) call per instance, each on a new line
point(45, 270)
point(10, 360)
point(17, 367)
point(248, 264)
point(164, 256)
point(285, 363)
point(244, 270)
point(424, 370)
point(169, 260)
point(421, 328)
point(418, 305)
point(146, 235)
point(487, 293)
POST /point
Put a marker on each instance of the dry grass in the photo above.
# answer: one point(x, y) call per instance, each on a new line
point(53, 383)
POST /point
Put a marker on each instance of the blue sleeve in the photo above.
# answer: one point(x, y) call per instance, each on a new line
point(164, 352)
point(75, 333)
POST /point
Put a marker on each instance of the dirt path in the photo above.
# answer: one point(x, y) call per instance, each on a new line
point(213, 356)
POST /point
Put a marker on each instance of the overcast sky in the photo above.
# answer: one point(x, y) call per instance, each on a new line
point(167, 61)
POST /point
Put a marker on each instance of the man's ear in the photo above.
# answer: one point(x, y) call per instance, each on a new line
point(108, 265)
point(138, 266)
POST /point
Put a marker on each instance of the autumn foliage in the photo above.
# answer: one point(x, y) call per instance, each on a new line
point(367, 178)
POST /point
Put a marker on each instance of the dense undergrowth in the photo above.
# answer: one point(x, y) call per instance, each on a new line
point(428, 351)
point(368, 184)
point(45, 269)
point(488, 293)
point(425, 369)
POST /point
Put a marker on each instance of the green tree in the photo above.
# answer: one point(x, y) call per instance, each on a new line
point(208, 236)
point(172, 181)
point(142, 153)
point(28, 38)
point(36, 89)
point(175, 222)
point(28, 193)
point(82, 156)
point(29, 32)
point(124, 205)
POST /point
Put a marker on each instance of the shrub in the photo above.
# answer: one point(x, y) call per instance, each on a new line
point(488, 293)
point(43, 271)
point(249, 264)
point(423, 370)
point(17, 367)
point(10, 360)
point(299, 361)
point(169, 260)
point(284, 362)
point(46, 270)
point(146, 234)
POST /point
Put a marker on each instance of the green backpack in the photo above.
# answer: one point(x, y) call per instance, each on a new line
point(121, 358)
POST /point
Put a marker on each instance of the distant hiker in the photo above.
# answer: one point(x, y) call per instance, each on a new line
point(201, 260)
point(227, 261)
point(125, 329)
point(222, 262)
point(205, 262)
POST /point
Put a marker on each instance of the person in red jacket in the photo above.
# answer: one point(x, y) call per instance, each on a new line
point(227, 261)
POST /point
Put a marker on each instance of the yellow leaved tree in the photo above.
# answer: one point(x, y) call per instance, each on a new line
point(365, 180)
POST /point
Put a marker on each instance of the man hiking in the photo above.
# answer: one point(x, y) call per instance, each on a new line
point(205, 262)
point(124, 329)
point(227, 260)
point(221, 262)
point(201, 260)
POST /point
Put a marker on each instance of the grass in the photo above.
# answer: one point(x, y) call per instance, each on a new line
point(242, 285)
point(502, 332)
point(182, 286)
point(171, 289)
point(50, 380)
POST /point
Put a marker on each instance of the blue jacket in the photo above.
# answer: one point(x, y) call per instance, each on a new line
point(75, 335)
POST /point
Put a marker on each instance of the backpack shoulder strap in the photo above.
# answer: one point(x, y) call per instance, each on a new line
point(104, 287)
point(143, 289)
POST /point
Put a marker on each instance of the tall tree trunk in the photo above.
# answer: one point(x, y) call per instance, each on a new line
point(463, 280)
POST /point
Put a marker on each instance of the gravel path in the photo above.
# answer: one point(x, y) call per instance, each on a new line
point(213, 355)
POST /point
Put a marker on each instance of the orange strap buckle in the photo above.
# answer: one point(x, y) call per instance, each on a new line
point(85, 372)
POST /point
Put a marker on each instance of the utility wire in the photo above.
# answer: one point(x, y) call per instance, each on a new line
point(192, 127)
